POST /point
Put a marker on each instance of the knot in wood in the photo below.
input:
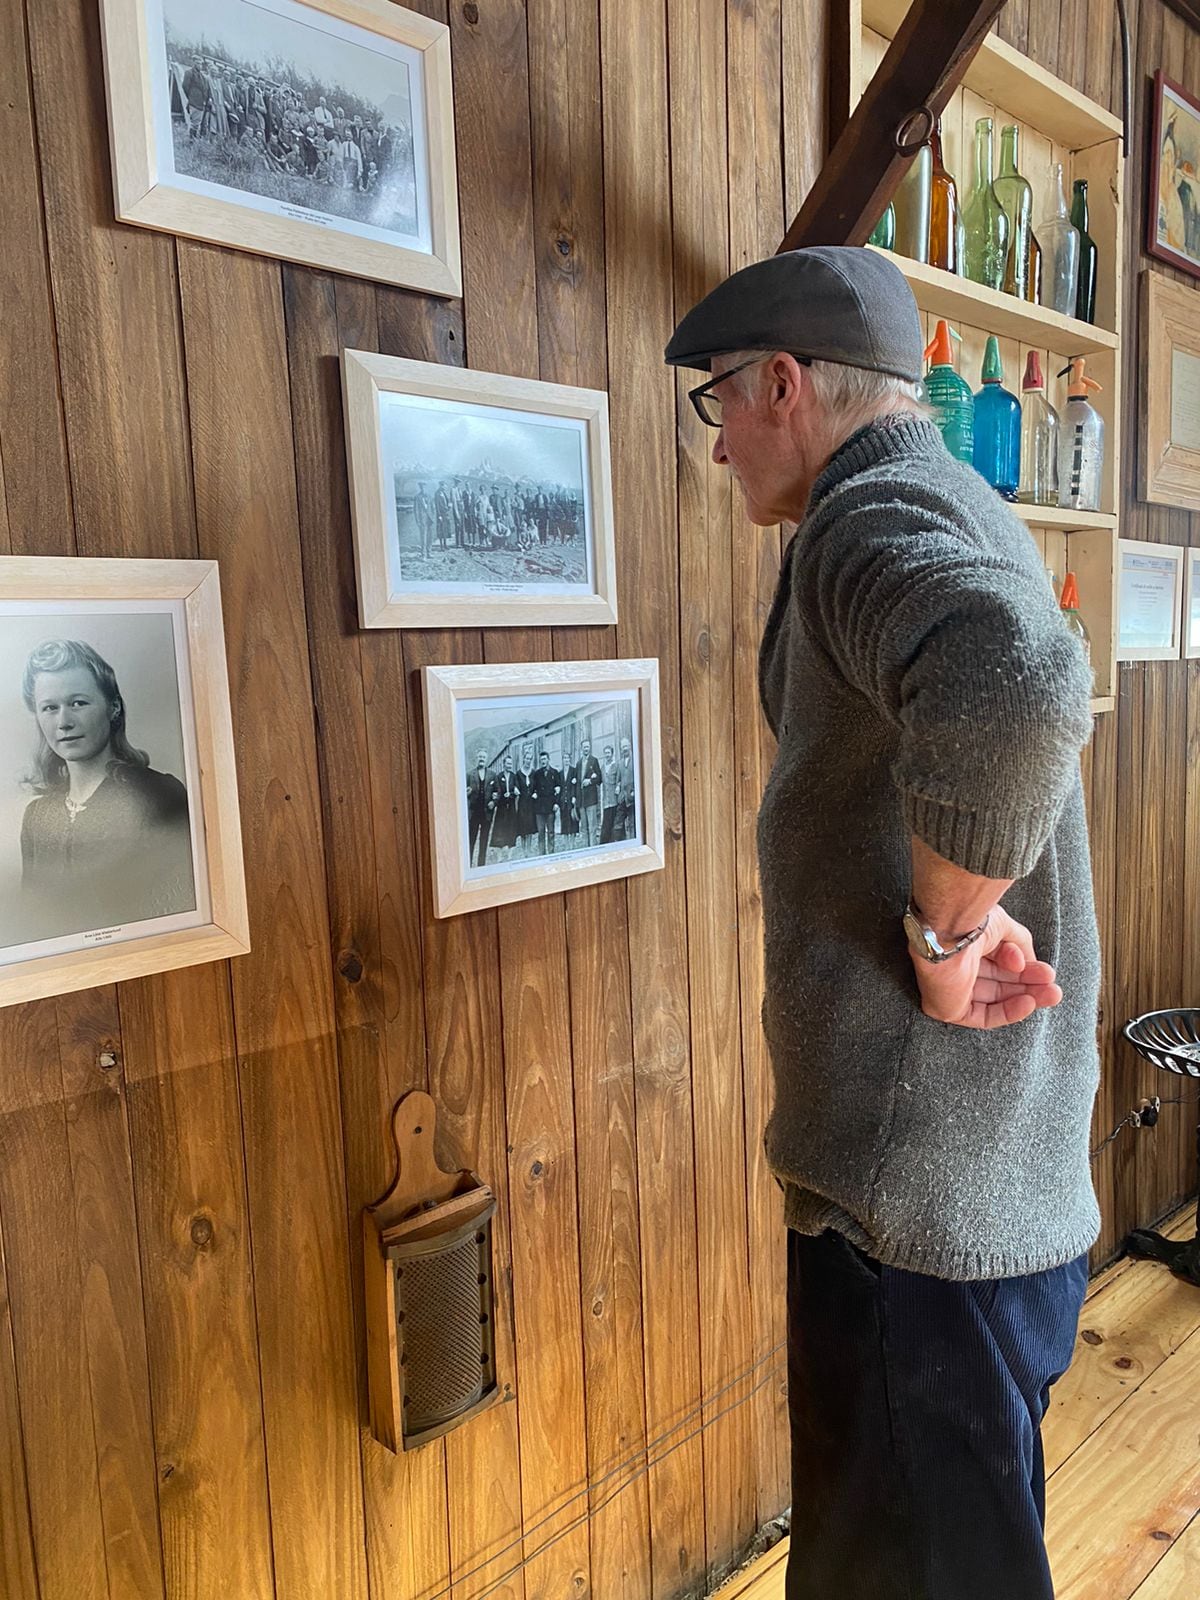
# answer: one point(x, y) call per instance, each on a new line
point(563, 244)
point(350, 966)
point(471, 12)
point(915, 131)
point(107, 1060)
point(202, 1232)
point(1123, 1363)
point(1090, 1336)
point(536, 1170)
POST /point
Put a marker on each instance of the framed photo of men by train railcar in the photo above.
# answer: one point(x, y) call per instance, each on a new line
point(479, 501)
point(542, 777)
point(120, 842)
point(319, 131)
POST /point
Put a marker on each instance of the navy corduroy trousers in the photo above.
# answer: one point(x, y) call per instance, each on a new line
point(916, 1406)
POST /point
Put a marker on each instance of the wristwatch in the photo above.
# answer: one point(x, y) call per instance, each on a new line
point(924, 942)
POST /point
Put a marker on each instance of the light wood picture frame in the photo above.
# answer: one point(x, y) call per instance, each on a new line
point(519, 805)
point(115, 670)
point(478, 500)
point(1169, 462)
point(1149, 600)
point(1191, 605)
point(317, 131)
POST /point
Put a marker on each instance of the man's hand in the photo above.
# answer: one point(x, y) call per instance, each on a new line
point(995, 981)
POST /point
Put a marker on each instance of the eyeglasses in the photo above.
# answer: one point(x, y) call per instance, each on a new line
point(708, 404)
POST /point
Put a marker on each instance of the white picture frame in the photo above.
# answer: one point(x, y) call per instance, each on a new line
point(91, 600)
point(535, 720)
point(1191, 606)
point(421, 429)
point(1149, 600)
point(178, 166)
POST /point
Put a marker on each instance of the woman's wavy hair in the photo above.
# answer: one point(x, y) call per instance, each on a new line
point(59, 655)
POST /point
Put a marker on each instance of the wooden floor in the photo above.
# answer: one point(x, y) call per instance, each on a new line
point(1122, 1444)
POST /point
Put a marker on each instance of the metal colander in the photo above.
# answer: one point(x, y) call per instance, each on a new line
point(1170, 1039)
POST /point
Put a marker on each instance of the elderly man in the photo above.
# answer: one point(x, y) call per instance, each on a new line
point(932, 963)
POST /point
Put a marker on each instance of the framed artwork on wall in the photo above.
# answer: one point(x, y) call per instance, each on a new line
point(479, 501)
point(541, 778)
point(319, 131)
point(1169, 470)
point(1191, 606)
point(120, 841)
point(1173, 192)
point(1150, 601)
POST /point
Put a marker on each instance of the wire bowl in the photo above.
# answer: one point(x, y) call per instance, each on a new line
point(1170, 1039)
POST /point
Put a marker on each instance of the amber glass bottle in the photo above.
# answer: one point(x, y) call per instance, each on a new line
point(943, 210)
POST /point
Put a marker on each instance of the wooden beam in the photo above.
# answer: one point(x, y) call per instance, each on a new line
point(923, 67)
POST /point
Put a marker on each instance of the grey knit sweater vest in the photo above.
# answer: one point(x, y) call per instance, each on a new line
point(919, 679)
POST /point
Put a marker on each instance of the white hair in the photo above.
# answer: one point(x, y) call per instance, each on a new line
point(849, 395)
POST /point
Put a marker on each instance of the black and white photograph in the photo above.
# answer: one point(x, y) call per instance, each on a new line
point(278, 105)
point(101, 838)
point(485, 499)
point(551, 775)
point(478, 499)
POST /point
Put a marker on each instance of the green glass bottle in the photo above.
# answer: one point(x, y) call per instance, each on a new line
point(1085, 296)
point(985, 222)
point(1015, 195)
point(884, 234)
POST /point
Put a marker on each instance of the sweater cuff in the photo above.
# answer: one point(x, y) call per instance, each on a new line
point(991, 844)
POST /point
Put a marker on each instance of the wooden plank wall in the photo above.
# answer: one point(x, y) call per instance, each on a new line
point(181, 1336)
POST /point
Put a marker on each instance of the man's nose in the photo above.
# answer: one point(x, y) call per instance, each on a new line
point(718, 450)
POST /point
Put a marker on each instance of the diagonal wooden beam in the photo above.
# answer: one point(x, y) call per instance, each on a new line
point(923, 67)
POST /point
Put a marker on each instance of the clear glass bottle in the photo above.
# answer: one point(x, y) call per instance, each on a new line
point(1085, 295)
point(1080, 444)
point(911, 205)
point(985, 222)
point(1015, 195)
point(1060, 250)
point(1039, 439)
point(943, 209)
point(1033, 278)
point(1069, 608)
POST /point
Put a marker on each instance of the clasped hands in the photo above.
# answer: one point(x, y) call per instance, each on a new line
point(995, 981)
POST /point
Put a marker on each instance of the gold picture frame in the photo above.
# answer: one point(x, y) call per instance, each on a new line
point(184, 677)
point(422, 431)
point(540, 717)
point(1169, 460)
point(205, 143)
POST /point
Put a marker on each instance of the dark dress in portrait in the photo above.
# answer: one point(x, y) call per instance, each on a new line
point(506, 795)
point(124, 856)
point(526, 820)
point(568, 807)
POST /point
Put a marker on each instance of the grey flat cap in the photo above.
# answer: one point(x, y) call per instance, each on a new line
point(831, 302)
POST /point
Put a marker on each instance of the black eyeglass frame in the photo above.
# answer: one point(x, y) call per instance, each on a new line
point(701, 392)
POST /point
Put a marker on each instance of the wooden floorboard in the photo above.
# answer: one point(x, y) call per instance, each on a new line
point(1123, 1496)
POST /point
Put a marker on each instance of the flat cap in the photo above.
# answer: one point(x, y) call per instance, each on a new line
point(829, 302)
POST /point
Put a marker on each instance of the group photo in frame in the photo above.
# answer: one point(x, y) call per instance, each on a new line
point(1149, 600)
point(317, 131)
point(1169, 413)
point(120, 839)
point(541, 777)
point(478, 500)
point(1173, 202)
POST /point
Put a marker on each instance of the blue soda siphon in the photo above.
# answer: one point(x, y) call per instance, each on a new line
point(997, 427)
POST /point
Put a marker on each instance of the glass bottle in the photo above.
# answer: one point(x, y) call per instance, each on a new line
point(1085, 295)
point(884, 234)
point(1069, 608)
point(943, 209)
point(1039, 439)
point(985, 223)
point(997, 427)
point(950, 396)
point(911, 205)
point(1015, 195)
point(1060, 250)
point(1081, 444)
point(1033, 279)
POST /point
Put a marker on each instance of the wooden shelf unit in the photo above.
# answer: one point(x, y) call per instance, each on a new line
point(1057, 124)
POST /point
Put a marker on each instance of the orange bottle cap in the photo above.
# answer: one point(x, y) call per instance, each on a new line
point(941, 352)
point(1070, 594)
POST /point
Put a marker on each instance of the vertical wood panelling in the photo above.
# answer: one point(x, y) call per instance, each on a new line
point(182, 1408)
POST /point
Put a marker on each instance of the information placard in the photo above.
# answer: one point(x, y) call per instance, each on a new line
point(1150, 601)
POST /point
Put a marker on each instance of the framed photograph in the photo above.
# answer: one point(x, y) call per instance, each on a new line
point(541, 778)
point(479, 501)
point(120, 844)
point(1170, 392)
point(319, 131)
point(1173, 192)
point(1150, 601)
point(1191, 606)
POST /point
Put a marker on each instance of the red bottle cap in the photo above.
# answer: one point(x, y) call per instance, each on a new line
point(1033, 372)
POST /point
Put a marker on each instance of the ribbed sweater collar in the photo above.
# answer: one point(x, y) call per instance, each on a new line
point(886, 439)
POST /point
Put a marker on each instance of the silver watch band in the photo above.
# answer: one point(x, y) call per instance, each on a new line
point(925, 942)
